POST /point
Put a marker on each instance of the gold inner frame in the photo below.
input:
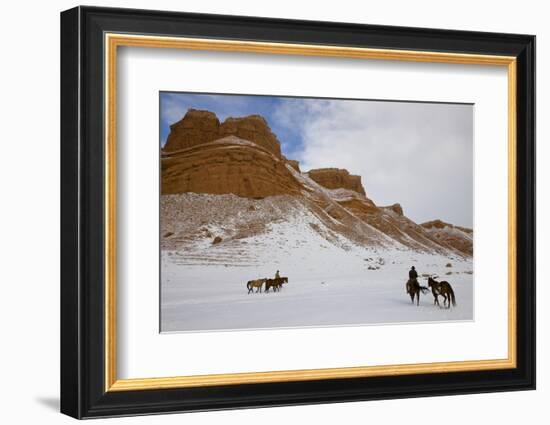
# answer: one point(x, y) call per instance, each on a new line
point(113, 41)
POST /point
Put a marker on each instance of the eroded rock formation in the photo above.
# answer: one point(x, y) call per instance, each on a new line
point(294, 164)
point(253, 128)
point(198, 127)
point(396, 208)
point(228, 165)
point(335, 178)
point(460, 238)
point(195, 128)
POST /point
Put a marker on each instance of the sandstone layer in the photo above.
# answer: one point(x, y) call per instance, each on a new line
point(335, 178)
point(228, 165)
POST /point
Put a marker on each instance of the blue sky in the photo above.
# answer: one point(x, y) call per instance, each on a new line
point(415, 153)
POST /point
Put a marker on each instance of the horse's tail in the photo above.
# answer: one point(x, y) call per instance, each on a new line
point(424, 289)
point(248, 284)
point(452, 295)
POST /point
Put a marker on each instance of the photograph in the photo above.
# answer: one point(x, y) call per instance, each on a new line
point(294, 212)
point(284, 210)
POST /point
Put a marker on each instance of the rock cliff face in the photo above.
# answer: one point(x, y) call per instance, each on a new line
point(335, 178)
point(241, 160)
point(195, 128)
point(224, 166)
point(253, 128)
point(198, 127)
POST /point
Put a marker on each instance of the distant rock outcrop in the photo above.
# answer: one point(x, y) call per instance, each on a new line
point(198, 127)
point(436, 224)
point(336, 178)
point(440, 224)
point(460, 238)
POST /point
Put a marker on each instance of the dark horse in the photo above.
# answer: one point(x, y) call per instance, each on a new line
point(444, 289)
point(276, 283)
point(413, 289)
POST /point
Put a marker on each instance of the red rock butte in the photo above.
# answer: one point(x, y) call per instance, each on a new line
point(241, 156)
point(198, 127)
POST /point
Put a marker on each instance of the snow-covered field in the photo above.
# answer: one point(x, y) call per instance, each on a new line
point(332, 282)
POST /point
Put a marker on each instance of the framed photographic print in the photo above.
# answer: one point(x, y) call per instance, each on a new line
point(261, 212)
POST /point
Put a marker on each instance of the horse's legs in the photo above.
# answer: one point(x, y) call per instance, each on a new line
point(418, 298)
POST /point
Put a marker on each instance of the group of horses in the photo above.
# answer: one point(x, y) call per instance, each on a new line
point(442, 288)
point(276, 284)
point(413, 288)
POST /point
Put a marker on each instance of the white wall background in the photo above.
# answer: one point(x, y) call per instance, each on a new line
point(29, 217)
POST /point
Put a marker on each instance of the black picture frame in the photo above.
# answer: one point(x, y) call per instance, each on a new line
point(83, 392)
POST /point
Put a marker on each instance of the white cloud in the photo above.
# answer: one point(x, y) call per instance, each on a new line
point(418, 154)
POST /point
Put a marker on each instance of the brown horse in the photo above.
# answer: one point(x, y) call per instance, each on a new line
point(251, 284)
point(444, 289)
point(281, 281)
point(413, 288)
point(276, 283)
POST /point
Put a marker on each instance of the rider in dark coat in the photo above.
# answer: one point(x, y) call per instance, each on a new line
point(413, 275)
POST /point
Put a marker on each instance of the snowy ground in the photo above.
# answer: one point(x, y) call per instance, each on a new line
point(331, 282)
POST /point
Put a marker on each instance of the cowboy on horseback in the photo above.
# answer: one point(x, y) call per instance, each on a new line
point(413, 288)
point(277, 275)
point(413, 275)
